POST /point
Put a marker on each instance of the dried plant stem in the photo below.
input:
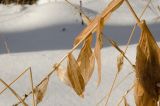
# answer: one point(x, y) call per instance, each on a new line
point(118, 49)
point(125, 94)
point(109, 94)
point(133, 30)
point(133, 12)
point(17, 96)
point(123, 80)
point(32, 85)
point(79, 10)
point(116, 86)
point(15, 80)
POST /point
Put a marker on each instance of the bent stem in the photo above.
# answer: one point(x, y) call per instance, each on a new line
point(16, 95)
point(15, 80)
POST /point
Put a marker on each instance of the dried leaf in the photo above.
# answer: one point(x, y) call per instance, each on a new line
point(141, 97)
point(75, 77)
point(63, 75)
point(148, 62)
point(86, 60)
point(120, 60)
point(40, 90)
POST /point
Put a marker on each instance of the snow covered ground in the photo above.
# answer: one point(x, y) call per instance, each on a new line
point(36, 37)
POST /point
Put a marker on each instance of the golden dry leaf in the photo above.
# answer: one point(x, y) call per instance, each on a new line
point(40, 90)
point(63, 75)
point(120, 60)
point(86, 60)
point(74, 74)
point(141, 96)
point(148, 62)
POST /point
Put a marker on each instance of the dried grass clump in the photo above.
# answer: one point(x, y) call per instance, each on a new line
point(147, 68)
point(79, 70)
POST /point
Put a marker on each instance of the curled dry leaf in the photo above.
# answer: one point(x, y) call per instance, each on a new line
point(120, 60)
point(86, 60)
point(148, 64)
point(41, 89)
point(74, 74)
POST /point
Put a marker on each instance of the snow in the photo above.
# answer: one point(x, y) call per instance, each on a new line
point(36, 38)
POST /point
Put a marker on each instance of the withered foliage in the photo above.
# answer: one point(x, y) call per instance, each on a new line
point(147, 68)
point(40, 90)
point(75, 76)
point(86, 60)
point(63, 75)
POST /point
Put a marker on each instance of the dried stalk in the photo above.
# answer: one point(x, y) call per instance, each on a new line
point(15, 80)
point(17, 96)
point(116, 86)
point(32, 85)
point(125, 95)
point(109, 94)
point(133, 12)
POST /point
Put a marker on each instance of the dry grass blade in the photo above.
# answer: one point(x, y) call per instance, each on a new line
point(63, 75)
point(74, 74)
point(114, 4)
point(86, 60)
point(41, 89)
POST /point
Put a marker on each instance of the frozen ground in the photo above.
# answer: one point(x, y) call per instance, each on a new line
point(36, 38)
